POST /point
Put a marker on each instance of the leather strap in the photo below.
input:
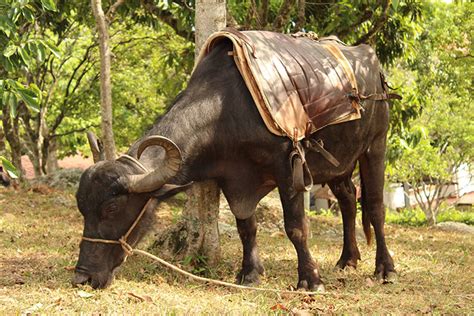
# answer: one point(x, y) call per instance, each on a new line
point(380, 96)
point(318, 146)
point(302, 179)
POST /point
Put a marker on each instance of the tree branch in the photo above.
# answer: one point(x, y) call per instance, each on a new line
point(264, 13)
point(230, 20)
point(74, 131)
point(301, 21)
point(167, 18)
point(111, 12)
point(367, 15)
point(377, 25)
point(283, 15)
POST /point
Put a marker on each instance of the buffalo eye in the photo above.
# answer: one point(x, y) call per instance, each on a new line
point(110, 209)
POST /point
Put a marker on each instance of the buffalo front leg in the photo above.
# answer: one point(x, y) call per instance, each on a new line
point(372, 180)
point(252, 268)
point(345, 193)
point(296, 227)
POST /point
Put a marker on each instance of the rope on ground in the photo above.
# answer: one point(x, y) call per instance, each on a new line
point(226, 284)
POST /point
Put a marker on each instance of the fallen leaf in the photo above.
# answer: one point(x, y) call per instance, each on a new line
point(84, 294)
point(277, 234)
point(19, 280)
point(69, 268)
point(142, 298)
point(278, 306)
point(369, 282)
point(308, 299)
point(33, 309)
point(301, 312)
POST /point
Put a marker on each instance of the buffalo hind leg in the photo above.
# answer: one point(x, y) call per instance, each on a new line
point(345, 193)
point(252, 268)
point(372, 180)
point(296, 227)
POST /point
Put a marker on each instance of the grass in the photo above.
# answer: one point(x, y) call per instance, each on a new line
point(39, 238)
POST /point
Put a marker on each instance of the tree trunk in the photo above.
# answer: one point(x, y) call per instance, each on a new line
point(202, 208)
point(2, 139)
point(201, 215)
point(11, 130)
point(406, 195)
point(197, 235)
point(210, 17)
point(50, 155)
point(105, 85)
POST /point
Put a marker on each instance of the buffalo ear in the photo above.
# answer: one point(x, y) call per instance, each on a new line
point(97, 149)
point(168, 190)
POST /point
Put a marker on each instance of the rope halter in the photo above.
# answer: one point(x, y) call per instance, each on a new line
point(122, 241)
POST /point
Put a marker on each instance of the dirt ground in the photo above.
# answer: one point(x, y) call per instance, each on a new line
point(40, 233)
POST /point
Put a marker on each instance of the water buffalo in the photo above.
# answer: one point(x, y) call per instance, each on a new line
point(214, 131)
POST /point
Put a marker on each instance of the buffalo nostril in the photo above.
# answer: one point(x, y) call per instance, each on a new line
point(80, 278)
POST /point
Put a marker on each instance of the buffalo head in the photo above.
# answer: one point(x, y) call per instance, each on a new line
point(110, 196)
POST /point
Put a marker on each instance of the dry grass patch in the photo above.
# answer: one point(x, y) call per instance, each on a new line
point(39, 238)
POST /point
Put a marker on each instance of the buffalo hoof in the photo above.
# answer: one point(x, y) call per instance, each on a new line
point(343, 263)
point(310, 281)
point(386, 274)
point(252, 277)
point(391, 277)
point(305, 286)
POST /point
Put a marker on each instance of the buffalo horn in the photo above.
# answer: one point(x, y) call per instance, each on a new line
point(96, 147)
point(157, 178)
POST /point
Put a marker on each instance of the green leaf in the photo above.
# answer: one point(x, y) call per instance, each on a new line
point(9, 168)
point(52, 48)
point(31, 99)
point(40, 53)
point(6, 25)
point(6, 63)
point(13, 105)
point(25, 56)
point(9, 50)
point(48, 5)
point(395, 5)
point(28, 14)
point(10, 100)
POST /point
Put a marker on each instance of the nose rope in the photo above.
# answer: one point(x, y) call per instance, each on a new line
point(128, 250)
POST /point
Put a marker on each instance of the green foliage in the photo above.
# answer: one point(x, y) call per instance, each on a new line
point(9, 168)
point(432, 134)
point(410, 217)
point(416, 217)
point(454, 215)
point(389, 26)
point(21, 48)
point(199, 265)
point(150, 69)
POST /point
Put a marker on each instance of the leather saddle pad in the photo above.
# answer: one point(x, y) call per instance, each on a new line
point(299, 84)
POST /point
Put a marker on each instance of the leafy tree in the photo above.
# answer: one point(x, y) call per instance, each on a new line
point(438, 136)
point(387, 25)
point(20, 48)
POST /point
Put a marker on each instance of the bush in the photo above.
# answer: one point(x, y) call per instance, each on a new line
point(453, 215)
point(60, 179)
point(416, 217)
point(411, 217)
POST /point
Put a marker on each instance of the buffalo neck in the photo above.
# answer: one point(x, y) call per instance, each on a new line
point(190, 124)
point(208, 114)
